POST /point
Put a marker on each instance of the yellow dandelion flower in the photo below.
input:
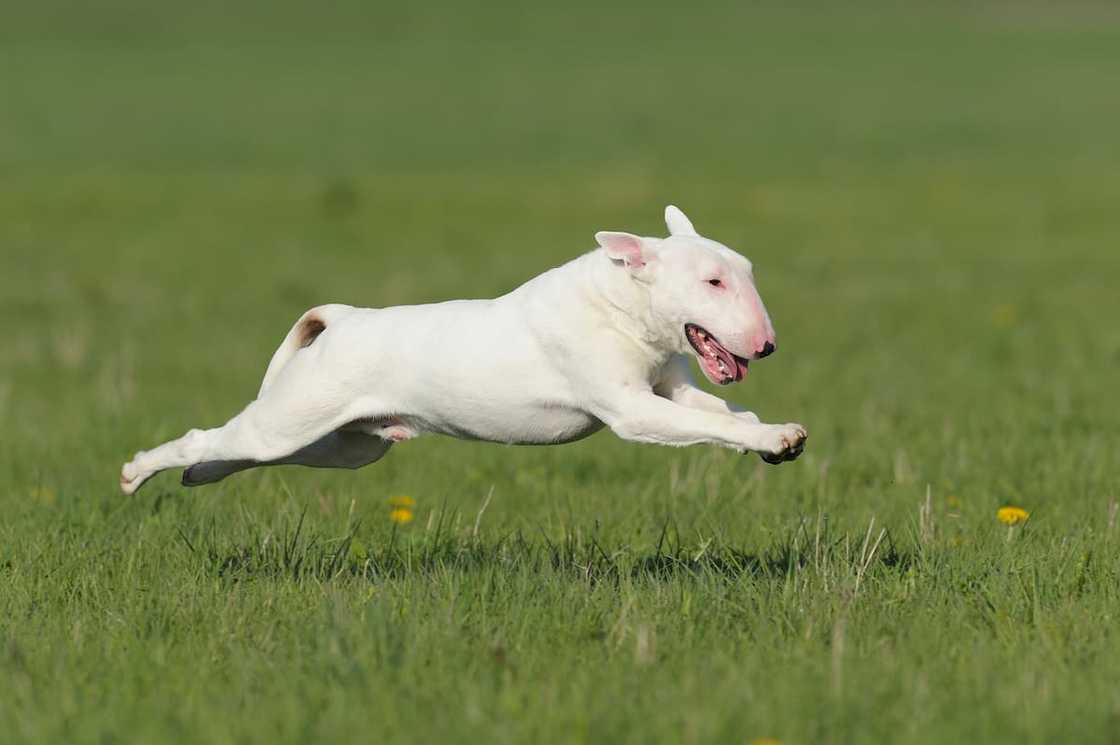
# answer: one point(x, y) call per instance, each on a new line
point(401, 515)
point(1012, 515)
point(953, 501)
point(402, 502)
point(766, 741)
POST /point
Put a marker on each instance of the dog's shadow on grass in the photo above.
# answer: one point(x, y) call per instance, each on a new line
point(297, 554)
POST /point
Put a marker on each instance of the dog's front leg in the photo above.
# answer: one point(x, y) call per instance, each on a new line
point(647, 417)
point(678, 385)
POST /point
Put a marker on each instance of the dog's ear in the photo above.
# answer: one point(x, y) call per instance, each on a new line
point(677, 222)
point(624, 247)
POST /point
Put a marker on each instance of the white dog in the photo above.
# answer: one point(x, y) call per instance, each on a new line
point(600, 340)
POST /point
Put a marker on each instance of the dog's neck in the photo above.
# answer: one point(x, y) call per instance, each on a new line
point(627, 304)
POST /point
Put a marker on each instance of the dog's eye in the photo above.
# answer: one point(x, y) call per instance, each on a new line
point(715, 283)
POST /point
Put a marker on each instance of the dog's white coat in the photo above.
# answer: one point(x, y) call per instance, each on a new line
point(597, 341)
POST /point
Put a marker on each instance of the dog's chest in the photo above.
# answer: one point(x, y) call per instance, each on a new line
point(558, 425)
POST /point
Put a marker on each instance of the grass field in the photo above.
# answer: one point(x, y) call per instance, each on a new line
point(929, 192)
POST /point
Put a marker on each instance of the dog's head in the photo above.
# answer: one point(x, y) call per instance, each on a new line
point(702, 295)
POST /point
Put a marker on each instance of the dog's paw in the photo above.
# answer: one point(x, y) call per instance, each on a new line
point(783, 442)
point(132, 476)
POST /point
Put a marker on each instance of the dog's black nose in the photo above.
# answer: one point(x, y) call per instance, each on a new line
point(767, 350)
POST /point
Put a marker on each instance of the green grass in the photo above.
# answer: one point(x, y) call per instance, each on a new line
point(929, 193)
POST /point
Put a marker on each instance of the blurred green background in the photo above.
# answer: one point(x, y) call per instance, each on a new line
point(928, 191)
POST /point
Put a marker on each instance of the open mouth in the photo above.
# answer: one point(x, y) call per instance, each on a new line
point(719, 364)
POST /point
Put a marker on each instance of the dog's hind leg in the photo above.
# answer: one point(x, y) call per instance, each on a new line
point(211, 471)
point(300, 407)
point(257, 434)
point(342, 448)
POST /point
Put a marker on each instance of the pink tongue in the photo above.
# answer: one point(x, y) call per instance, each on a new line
point(726, 357)
point(730, 364)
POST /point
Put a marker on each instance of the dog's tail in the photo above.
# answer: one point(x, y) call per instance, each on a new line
point(303, 334)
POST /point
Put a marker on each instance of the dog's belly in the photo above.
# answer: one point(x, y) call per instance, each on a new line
point(537, 425)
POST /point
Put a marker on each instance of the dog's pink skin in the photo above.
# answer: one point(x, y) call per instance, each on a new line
point(622, 247)
point(758, 330)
